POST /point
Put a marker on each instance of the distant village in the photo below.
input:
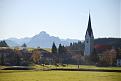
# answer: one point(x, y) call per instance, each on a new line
point(99, 52)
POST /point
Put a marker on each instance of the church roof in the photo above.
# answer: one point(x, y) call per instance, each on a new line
point(89, 29)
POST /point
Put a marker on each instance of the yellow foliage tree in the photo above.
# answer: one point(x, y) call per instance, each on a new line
point(108, 57)
point(36, 56)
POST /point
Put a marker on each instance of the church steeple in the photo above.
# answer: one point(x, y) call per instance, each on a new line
point(89, 39)
point(89, 28)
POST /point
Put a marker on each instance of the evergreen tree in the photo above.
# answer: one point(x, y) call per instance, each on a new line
point(54, 48)
point(60, 52)
point(54, 52)
point(3, 44)
point(18, 60)
point(64, 50)
point(71, 44)
point(2, 59)
point(60, 49)
point(24, 45)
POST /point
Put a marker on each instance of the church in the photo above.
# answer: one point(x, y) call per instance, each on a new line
point(89, 39)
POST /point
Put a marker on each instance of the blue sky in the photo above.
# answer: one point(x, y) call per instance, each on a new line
point(62, 18)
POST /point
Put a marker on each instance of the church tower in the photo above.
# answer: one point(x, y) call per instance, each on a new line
point(89, 40)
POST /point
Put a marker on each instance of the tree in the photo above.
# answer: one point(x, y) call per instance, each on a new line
point(64, 50)
point(36, 56)
point(60, 49)
point(54, 52)
point(2, 59)
point(18, 60)
point(54, 48)
point(60, 53)
point(94, 57)
point(118, 50)
point(107, 58)
point(3, 44)
point(71, 44)
point(17, 56)
point(77, 57)
point(112, 55)
point(24, 45)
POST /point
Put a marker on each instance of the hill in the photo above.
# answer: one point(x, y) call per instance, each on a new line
point(114, 42)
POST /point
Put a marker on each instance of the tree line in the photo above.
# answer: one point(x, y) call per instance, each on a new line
point(72, 54)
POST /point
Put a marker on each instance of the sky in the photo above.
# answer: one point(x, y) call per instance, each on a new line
point(61, 18)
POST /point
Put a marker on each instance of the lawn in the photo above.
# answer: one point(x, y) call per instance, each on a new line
point(75, 67)
point(31, 75)
point(69, 67)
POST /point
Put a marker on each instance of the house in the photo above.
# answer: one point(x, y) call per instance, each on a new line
point(118, 62)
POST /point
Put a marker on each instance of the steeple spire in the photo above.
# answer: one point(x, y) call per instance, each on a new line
point(89, 28)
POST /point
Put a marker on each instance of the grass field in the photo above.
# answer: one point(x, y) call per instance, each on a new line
point(16, 75)
point(75, 67)
point(69, 66)
point(39, 75)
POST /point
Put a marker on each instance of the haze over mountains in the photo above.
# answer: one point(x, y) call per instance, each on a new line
point(43, 40)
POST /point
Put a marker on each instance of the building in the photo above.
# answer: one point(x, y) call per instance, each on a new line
point(118, 62)
point(89, 40)
point(118, 59)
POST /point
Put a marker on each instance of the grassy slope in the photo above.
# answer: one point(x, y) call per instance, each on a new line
point(58, 76)
point(47, 49)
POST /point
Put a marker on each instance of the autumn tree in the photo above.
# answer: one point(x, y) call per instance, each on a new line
point(108, 57)
point(112, 55)
point(36, 56)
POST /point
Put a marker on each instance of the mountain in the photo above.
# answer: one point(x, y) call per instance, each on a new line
point(11, 43)
point(43, 40)
point(20, 41)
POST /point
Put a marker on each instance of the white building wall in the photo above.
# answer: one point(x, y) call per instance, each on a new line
point(118, 62)
point(89, 44)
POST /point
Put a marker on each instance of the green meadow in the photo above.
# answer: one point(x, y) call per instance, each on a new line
point(75, 67)
point(38, 75)
point(31, 75)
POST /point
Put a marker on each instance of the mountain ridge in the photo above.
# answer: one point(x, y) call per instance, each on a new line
point(43, 40)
